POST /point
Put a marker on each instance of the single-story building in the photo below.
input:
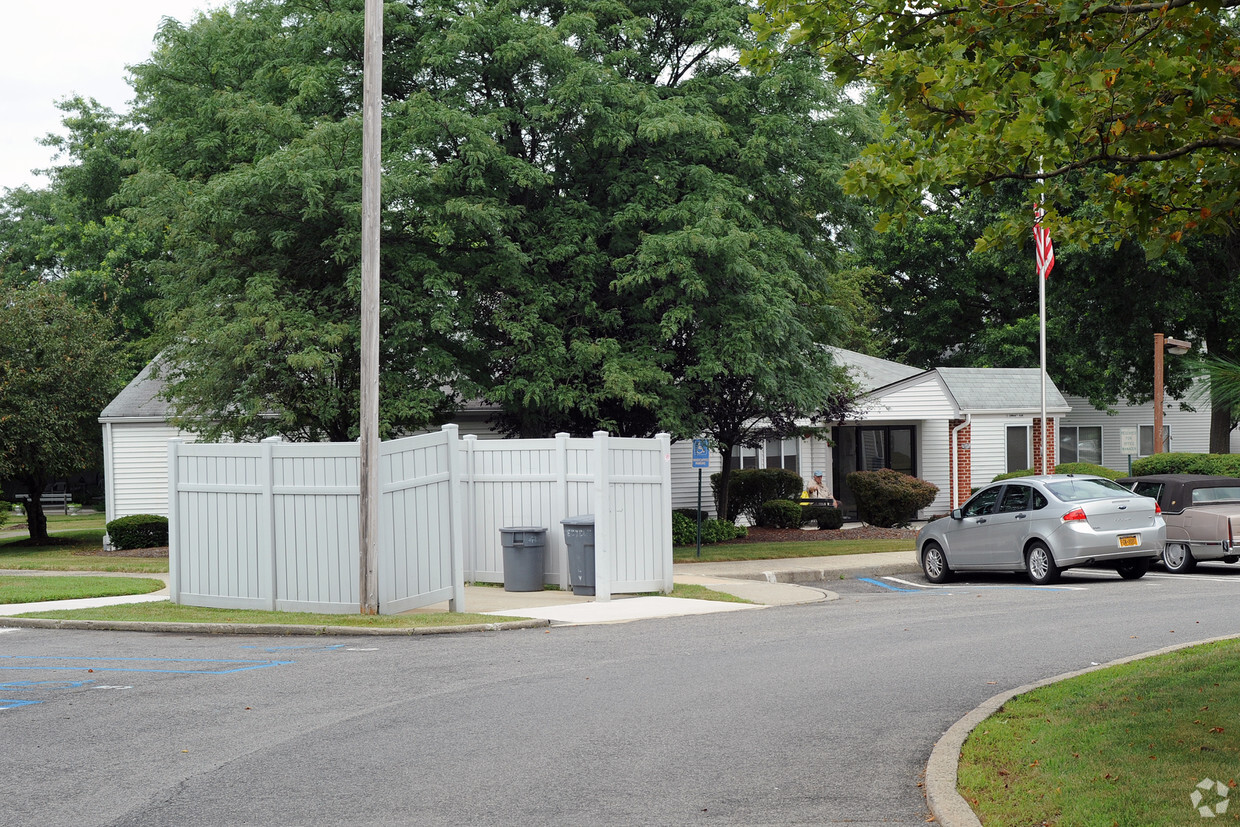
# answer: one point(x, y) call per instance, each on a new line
point(955, 427)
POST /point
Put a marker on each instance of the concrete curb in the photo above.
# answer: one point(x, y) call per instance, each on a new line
point(264, 628)
point(947, 806)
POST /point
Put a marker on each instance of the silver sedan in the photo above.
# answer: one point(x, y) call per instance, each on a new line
point(1042, 525)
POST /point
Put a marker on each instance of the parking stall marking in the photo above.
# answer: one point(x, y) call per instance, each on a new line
point(924, 588)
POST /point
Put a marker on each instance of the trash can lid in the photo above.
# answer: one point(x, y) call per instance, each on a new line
point(580, 519)
point(529, 529)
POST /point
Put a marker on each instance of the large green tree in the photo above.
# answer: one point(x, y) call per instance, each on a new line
point(57, 372)
point(1135, 103)
point(594, 217)
point(74, 233)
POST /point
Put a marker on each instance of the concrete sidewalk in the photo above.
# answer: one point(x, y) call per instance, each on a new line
point(761, 582)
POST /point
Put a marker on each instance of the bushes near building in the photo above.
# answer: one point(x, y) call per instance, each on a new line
point(889, 499)
point(748, 489)
point(1226, 465)
point(138, 531)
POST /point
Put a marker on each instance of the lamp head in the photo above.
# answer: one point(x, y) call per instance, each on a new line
point(1177, 347)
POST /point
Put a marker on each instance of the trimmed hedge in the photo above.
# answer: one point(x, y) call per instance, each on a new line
point(138, 531)
point(827, 517)
point(889, 499)
point(1069, 468)
point(779, 514)
point(1226, 465)
point(749, 488)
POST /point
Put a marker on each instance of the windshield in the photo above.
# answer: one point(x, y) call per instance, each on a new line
point(1089, 488)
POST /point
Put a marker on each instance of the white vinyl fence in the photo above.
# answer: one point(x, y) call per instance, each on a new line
point(274, 525)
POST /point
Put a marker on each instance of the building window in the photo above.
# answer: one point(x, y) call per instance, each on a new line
point(1018, 447)
point(1147, 440)
point(1080, 444)
point(773, 453)
point(782, 453)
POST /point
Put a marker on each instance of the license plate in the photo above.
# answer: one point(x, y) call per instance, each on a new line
point(1129, 540)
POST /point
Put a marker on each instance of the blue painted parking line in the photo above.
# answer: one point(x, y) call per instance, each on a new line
point(5, 703)
point(157, 665)
point(21, 686)
point(917, 588)
point(881, 584)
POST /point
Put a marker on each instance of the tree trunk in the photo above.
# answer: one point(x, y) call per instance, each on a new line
point(725, 476)
point(36, 520)
point(1221, 424)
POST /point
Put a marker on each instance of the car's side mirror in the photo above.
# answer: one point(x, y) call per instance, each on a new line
point(957, 514)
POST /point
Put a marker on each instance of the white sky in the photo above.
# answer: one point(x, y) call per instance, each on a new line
point(54, 50)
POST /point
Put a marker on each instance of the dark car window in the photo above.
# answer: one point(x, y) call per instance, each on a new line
point(1038, 500)
point(1015, 498)
point(1148, 489)
point(983, 503)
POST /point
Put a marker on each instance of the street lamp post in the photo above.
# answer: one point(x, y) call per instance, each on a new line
point(1176, 347)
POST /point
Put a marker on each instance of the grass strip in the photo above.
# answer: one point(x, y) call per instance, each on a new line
point(76, 550)
point(1125, 745)
point(719, 553)
point(34, 589)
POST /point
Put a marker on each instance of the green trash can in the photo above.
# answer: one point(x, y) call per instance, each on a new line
point(525, 549)
point(579, 536)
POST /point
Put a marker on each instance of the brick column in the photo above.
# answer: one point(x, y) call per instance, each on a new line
point(1050, 446)
point(960, 464)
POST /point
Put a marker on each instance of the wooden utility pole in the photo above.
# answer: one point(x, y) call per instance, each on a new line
point(1159, 345)
point(372, 134)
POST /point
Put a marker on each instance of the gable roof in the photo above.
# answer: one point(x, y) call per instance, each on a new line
point(139, 401)
point(872, 372)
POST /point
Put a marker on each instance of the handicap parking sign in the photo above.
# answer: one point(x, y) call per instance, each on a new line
point(701, 453)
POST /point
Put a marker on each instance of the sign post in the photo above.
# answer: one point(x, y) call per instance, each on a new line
point(701, 459)
point(1129, 443)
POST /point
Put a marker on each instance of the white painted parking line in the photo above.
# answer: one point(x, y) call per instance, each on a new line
point(971, 587)
point(1203, 577)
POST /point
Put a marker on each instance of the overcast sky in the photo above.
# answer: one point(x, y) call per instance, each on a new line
point(54, 50)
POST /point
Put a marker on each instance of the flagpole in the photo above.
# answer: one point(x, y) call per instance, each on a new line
point(1042, 326)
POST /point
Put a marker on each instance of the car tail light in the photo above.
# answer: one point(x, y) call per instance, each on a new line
point(1074, 514)
point(1157, 508)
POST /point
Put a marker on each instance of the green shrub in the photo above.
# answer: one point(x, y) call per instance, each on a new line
point(826, 516)
point(889, 499)
point(1227, 465)
point(138, 531)
point(684, 529)
point(1068, 468)
point(748, 489)
point(779, 514)
point(718, 531)
point(6, 509)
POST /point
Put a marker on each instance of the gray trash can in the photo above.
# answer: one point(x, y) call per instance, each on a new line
point(525, 548)
point(579, 536)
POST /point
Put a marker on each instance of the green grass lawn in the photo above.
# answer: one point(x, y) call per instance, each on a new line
point(718, 553)
point(34, 588)
point(75, 550)
point(1126, 745)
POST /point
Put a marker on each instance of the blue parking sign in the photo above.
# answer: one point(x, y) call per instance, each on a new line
point(701, 453)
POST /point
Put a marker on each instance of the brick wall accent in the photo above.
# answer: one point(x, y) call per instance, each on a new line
point(960, 466)
point(1050, 446)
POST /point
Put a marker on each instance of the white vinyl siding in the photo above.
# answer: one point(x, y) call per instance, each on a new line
point(138, 468)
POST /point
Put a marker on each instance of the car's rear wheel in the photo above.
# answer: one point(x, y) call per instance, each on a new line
point(1133, 569)
point(1040, 564)
point(934, 563)
point(1178, 559)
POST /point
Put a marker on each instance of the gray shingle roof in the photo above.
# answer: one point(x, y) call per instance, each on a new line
point(139, 400)
point(870, 371)
point(1001, 389)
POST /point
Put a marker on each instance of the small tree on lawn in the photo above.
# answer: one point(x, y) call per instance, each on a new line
point(57, 372)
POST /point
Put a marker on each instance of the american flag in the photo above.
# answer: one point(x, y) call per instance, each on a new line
point(1042, 243)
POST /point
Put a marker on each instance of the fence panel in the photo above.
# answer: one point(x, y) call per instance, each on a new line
point(275, 525)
